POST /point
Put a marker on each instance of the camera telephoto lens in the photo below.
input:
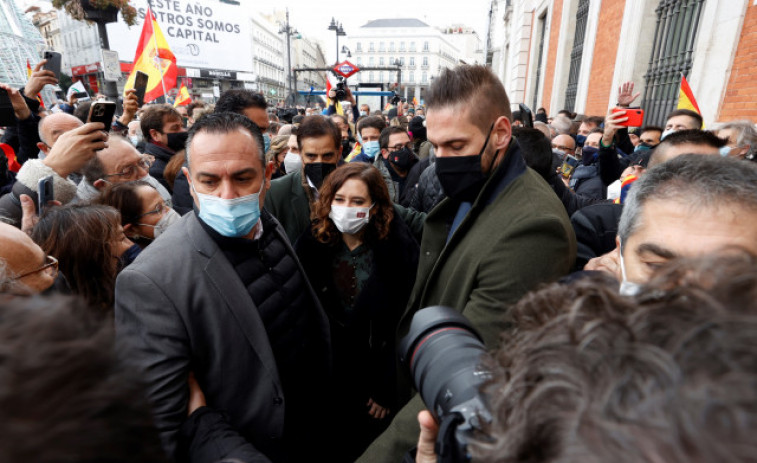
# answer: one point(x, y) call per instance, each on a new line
point(442, 351)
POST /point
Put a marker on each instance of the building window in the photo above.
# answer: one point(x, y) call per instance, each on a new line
point(672, 55)
point(539, 60)
point(424, 77)
point(412, 77)
point(370, 76)
point(391, 61)
point(412, 46)
point(381, 76)
point(402, 46)
point(381, 61)
point(412, 61)
point(391, 46)
point(370, 46)
point(359, 61)
point(381, 46)
point(425, 60)
point(370, 61)
point(359, 47)
point(425, 46)
point(576, 54)
point(402, 61)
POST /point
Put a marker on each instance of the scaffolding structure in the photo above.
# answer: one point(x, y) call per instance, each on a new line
point(21, 41)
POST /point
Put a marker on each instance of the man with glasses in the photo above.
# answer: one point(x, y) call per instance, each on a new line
point(119, 162)
point(397, 157)
point(25, 267)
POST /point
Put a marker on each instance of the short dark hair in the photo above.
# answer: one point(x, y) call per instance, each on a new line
point(388, 132)
point(474, 86)
point(687, 112)
point(377, 122)
point(536, 149)
point(298, 119)
point(238, 99)
point(318, 126)
point(93, 170)
point(594, 120)
point(82, 111)
point(590, 376)
point(194, 105)
point(223, 123)
point(68, 394)
point(153, 117)
point(650, 128)
point(685, 137)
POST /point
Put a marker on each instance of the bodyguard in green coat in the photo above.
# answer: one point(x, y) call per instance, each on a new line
point(500, 233)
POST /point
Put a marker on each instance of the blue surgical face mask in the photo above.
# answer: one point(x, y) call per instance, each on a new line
point(725, 151)
point(230, 217)
point(371, 148)
point(666, 133)
point(266, 142)
point(363, 113)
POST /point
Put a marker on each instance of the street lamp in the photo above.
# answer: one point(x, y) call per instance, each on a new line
point(346, 51)
point(289, 31)
point(337, 28)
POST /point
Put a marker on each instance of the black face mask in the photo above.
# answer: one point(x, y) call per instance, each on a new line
point(403, 159)
point(461, 176)
point(177, 140)
point(318, 171)
point(346, 148)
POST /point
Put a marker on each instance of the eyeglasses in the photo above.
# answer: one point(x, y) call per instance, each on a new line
point(562, 148)
point(50, 266)
point(394, 148)
point(158, 210)
point(130, 171)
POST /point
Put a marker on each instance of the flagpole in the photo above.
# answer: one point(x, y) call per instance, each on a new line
point(157, 52)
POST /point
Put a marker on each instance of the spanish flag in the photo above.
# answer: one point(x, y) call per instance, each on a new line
point(183, 97)
point(155, 59)
point(686, 98)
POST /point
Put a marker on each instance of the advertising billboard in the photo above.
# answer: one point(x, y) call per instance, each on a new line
point(208, 34)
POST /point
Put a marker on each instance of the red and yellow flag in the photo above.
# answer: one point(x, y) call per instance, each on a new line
point(415, 101)
point(183, 97)
point(686, 98)
point(155, 59)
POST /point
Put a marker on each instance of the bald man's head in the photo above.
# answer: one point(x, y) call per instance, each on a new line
point(53, 126)
point(22, 256)
point(119, 162)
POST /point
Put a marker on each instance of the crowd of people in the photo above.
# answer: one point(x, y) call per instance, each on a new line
point(217, 283)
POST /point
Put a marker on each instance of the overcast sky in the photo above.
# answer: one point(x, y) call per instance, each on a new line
point(312, 17)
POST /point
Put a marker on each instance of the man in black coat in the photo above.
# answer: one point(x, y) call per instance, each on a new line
point(162, 129)
point(222, 295)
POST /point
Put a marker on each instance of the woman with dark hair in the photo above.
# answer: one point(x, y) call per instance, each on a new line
point(88, 241)
point(361, 258)
point(145, 215)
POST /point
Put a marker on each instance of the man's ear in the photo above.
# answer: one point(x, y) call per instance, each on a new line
point(128, 228)
point(100, 184)
point(384, 153)
point(154, 135)
point(501, 133)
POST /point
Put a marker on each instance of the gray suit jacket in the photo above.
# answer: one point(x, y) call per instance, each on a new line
point(183, 309)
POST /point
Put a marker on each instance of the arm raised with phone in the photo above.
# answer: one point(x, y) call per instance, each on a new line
point(76, 147)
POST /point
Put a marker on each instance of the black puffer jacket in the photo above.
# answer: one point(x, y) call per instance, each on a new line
point(429, 191)
point(162, 156)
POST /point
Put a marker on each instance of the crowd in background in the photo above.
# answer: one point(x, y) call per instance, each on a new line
point(224, 282)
